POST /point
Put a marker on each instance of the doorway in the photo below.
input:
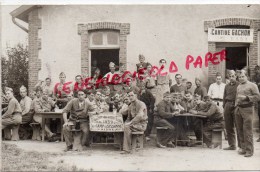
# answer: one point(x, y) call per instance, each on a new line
point(100, 58)
point(237, 58)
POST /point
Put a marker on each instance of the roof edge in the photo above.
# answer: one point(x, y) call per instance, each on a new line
point(22, 12)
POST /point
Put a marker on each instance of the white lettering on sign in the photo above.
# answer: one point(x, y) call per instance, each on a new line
point(230, 35)
point(106, 122)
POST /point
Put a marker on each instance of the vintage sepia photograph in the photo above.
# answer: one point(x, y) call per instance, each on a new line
point(130, 86)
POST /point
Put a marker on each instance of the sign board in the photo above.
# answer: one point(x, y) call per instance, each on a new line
point(106, 122)
point(230, 35)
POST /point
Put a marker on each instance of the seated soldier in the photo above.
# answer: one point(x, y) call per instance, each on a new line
point(147, 97)
point(193, 122)
point(90, 96)
point(163, 118)
point(13, 112)
point(25, 105)
point(179, 122)
point(43, 104)
point(78, 112)
point(136, 121)
point(123, 106)
point(102, 106)
point(214, 119)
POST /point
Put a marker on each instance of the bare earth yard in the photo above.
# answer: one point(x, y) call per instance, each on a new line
point(50, 156)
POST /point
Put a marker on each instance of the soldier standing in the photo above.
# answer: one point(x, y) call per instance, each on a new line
point(247, 94)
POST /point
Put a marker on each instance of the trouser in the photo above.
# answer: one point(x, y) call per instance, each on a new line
point(258, 109)
point(195, 124)
point(229, 117)
point(150, 123)
point(38, 119)
point(166, 135)
point(84, 127)
point(15, 119)
point(244, 124)
point(128, 129)
point(181, 124)
point(207, 131)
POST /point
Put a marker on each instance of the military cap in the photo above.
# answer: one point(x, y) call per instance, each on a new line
point(111, 64)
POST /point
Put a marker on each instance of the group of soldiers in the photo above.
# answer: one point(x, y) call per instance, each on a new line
point(153, 101)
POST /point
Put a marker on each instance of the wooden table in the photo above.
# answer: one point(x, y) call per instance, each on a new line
point(189, 115)
point(49, 115)
point(107, 124)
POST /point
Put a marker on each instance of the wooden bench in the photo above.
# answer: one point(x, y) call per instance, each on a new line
point(137, 136)
point(36, 131)
point(77, 139)
point(217, 137)
point(11, 133)
point(159, 130)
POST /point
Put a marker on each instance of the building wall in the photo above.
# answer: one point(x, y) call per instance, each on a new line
point(167, 31)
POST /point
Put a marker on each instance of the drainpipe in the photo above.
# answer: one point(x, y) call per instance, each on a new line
point(19, 25)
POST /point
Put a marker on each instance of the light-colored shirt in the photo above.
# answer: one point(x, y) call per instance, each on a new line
point(161, 80)
point(216, 91)
point(42, 105)
point(13, 107)
point(25, 104)
point(137, 112)
point(110, 76)
point(81, 104)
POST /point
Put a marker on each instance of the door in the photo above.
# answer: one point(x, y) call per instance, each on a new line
point(100, 58)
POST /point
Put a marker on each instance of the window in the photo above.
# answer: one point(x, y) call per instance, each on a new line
point(104, 39)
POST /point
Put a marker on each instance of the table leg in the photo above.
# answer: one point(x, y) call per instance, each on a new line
point(62, 122)
point(43, 127)
point(201, 121)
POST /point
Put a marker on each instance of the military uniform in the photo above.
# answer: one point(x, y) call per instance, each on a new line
point(25, 106)
point(244, 114)
point(61, 91)
point(229, 116)
point(78, 111)
point(12, 115)
point(41, 105)
point(214, 120)
point(163, 118)
point(149, 101)
point(196, 122)
point(136, 121)
point(257, 81)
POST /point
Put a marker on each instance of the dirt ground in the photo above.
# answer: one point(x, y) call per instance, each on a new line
point(151, 158)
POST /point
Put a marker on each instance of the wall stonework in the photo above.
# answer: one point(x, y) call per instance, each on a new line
point(34, 47)
point(83, 29)
point(253, 49)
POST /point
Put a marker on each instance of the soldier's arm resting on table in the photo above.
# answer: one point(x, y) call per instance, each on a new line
point(211, 111)
point(38, 107)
